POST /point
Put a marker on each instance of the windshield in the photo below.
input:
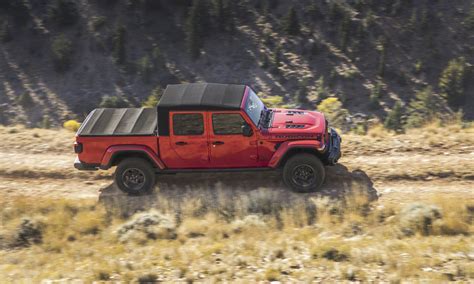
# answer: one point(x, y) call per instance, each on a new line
point(254, 107)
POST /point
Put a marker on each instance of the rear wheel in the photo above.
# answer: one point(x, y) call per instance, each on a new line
point(135, 176)
point(304, 173)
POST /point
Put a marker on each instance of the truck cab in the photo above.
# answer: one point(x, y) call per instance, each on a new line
point(207, 127)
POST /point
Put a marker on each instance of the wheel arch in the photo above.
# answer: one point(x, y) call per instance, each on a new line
point(297, 151)
point(116, 154)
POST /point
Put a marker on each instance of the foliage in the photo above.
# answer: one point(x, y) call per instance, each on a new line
point(393, 121)
point(72, 125)
point(46, 122)
point(302, 92)
point(5, 32)
point(375, 95)
point(197, 26)
point(382, 48)
point(291, 24)
point(62, 53)
point(97, 22)
point(145, 68)
point(452, 82)
point(154, 98)
point(334, 112)
point(469, 20)
point(25, 100)
point(63, 12)
point(271, 101)
point(424, 108)
point(114, 102)
point(119, 51)
point(224, 16)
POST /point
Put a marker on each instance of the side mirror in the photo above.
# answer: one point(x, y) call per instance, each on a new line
point(247, 130)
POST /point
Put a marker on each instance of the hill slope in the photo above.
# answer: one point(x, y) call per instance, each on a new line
point(59, 58)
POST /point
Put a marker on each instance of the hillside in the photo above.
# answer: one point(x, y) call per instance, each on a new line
point(60, 58)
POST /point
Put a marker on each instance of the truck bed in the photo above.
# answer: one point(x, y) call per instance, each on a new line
point(120, 122)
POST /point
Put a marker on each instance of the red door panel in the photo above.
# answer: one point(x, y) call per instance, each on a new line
point(188, 141)
point(229, 148)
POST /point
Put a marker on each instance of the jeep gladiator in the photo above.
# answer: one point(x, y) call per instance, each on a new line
point(207, 127)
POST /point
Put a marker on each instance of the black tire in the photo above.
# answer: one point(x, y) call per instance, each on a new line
point(304, 173)
point(135, 176)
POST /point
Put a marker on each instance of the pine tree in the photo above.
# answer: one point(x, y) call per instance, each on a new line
point(220, 14)
point(62, 53)
point(5, 32)
point(382, 48)
point(302, 93)
point(452, 82)
point(119, 51)
point(197, 27)
point(64, 12)
point(277, 57)
point(394, 118)
point(291, 23)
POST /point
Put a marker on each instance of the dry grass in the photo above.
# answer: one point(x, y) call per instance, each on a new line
point(349, 239)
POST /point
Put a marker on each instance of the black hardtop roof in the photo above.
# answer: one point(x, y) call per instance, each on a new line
point(202, 96)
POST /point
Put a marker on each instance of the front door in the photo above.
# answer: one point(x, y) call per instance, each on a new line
point(188, 140)
point(229, 148)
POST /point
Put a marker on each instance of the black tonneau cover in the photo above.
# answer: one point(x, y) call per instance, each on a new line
point(120, 122)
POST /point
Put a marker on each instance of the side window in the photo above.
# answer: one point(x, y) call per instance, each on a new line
point(188, 124)
point(227, 123)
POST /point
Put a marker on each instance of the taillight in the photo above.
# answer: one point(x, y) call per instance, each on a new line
point(78, 147)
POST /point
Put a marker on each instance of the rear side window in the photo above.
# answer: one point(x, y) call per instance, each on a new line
point(227, 124)
point(188, 124)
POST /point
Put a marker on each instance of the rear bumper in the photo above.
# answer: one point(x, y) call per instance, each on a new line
point(334, 151)
point(85, 167)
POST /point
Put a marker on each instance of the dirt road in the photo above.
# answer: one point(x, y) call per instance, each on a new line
point(405, 172)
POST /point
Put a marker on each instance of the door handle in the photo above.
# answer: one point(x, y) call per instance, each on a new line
point(217, 143)
point(181, 143)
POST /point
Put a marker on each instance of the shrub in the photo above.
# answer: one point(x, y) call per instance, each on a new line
point(424, 108)
point(145, 68)
point(394, 118)
point(29, 232)
point(271, 101)
point(25, 100)
point(197, 26)
point(153, 98)
point(334, 112)
point(72, 125)
point(46, 122)
point(291, 24)
point(62, 53)
point(147, 226)
point(418, 218)
point(64, 12)
point(97, 22)
point(5, 32)
point(469, 20)
point(113, 102)
point(119, 52)
point(452, 82)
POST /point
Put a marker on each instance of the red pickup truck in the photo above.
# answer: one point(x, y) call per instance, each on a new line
point(207, 127)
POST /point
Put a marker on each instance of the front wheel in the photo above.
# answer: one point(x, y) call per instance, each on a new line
point(304, 173)
point(135, 176)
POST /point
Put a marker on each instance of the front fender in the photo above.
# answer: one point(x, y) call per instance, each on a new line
point(289, 145)
point(107, 159)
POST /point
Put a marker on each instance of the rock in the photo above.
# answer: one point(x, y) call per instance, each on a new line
point(418, 217)
point(149, 225)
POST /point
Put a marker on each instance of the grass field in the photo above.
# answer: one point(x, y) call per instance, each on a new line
point(416, 223)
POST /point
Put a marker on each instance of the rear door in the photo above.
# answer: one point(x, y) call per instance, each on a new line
point(229, 148)
point(188, 140)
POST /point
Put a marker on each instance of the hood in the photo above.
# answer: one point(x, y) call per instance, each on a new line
point(297, 121)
